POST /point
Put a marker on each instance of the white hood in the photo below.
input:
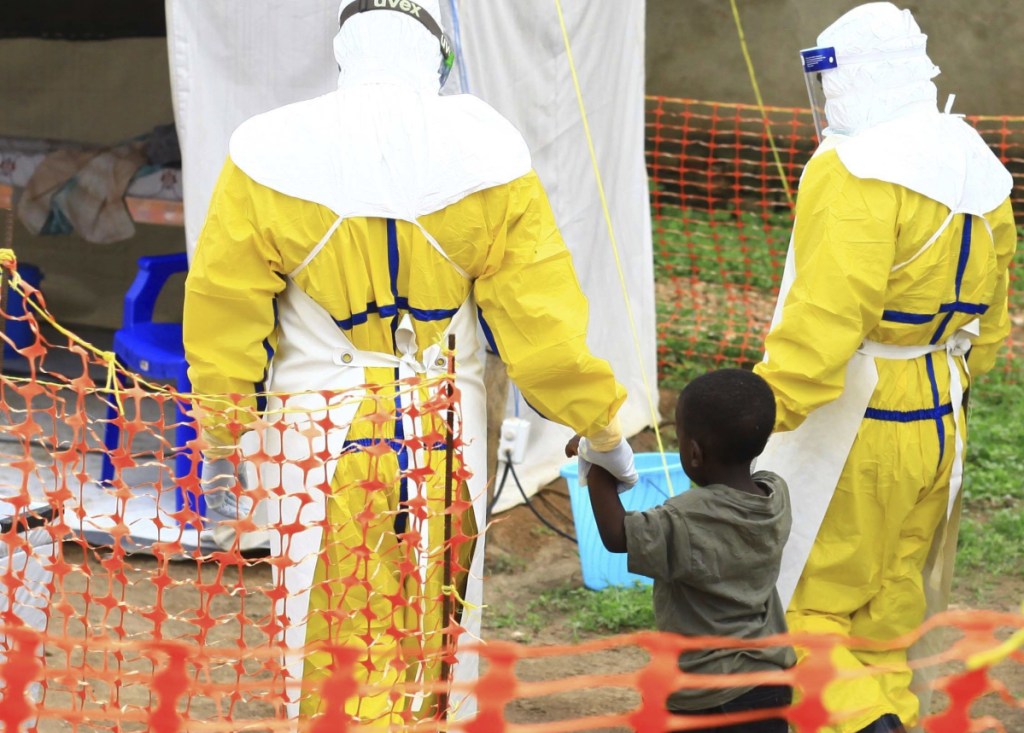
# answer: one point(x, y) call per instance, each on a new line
point(883, 116)
point(883, 69)
point(385, 144)
point(382, 47)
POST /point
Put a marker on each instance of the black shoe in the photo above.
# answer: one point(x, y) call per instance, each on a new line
point(886, 724)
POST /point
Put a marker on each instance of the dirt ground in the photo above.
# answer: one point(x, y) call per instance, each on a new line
point(554, 562)
point(524, 560)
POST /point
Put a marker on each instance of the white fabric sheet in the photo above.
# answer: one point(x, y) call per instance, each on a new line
point(518, 64)
point(232, 59)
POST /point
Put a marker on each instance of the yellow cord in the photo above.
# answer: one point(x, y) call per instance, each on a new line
point(113, 385)
point(1001, 653)
point(615, 246)
point(760, 103)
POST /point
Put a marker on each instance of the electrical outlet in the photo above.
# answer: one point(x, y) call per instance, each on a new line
point(515, 432)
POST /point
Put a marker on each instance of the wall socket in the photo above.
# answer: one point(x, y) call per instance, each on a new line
point(515, 433)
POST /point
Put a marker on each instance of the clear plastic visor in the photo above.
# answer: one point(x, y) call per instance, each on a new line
point(817, 61)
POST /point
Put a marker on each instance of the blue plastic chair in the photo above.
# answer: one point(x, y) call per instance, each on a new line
point(156, 351)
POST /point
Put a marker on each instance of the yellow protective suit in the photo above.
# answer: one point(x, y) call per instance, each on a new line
point(861, 275)
point(371, 273)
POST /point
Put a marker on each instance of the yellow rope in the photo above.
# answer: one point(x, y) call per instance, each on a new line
point(1001, 653)
point(113, 385)
point(453, 592)
point(760, 103)
point(615, 247)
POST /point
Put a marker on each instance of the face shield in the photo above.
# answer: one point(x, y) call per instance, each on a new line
point(865, 88)
point(816, 62)
point(411, 10)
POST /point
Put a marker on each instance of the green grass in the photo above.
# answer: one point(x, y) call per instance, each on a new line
point(613, 610)
point(991, 544)
point(992, 530)
point(739, 248)
point(995, 448)
point(729, 253)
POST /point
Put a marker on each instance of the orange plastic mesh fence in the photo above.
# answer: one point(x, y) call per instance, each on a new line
point(722, 223)
point(204, 632)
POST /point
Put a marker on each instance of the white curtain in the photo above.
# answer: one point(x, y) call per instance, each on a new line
point(517, 62)
point(231, 59)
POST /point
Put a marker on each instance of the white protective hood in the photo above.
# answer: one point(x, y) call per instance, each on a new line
point(384, 144)
point(882, 106)
point(883, 68)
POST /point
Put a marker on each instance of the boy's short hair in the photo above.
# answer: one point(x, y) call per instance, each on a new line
point(729, 412)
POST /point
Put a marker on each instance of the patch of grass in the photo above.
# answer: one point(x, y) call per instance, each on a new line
point(530, 622)
point(609, 611)
point(994, 474)
point(690, 344)
point(992, 531)
point(709, 267)
point(741, 248)
point(612, 610)
point(505, 563)
point(993, 544)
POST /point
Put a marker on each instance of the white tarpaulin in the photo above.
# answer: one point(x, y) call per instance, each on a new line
point(232, 59)
point(517, 62)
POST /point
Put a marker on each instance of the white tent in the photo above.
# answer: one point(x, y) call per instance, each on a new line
point(232, 59)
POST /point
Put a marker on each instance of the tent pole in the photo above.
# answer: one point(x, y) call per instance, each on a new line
point(447, 609)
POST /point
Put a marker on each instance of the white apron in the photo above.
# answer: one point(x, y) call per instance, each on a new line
point(817, 452)
point(314, 354)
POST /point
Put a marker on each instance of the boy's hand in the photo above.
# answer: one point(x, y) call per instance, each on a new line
point(572, 448)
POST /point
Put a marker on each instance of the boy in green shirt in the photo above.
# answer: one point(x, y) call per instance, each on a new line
point(713, 551)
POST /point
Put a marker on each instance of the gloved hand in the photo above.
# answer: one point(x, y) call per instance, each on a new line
point(223, 500)
point(618, 462)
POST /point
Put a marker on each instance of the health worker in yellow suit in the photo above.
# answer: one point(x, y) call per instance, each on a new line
point(894, 298)
point(347, 237)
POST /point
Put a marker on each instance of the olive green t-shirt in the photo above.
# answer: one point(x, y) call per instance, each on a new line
point(714, 554)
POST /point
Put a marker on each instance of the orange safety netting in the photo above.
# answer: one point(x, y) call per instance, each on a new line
point(722, 222)
point(117, 614)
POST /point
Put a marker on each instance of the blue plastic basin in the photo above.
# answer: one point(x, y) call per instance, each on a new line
point(600, 567)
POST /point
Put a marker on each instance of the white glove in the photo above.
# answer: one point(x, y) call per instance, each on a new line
point(222, 501)
point(618, 462)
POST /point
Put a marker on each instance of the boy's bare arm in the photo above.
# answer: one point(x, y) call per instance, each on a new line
point(604, 500)
point(608, 511)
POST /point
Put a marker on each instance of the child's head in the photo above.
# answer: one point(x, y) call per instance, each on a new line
point(723, 421)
